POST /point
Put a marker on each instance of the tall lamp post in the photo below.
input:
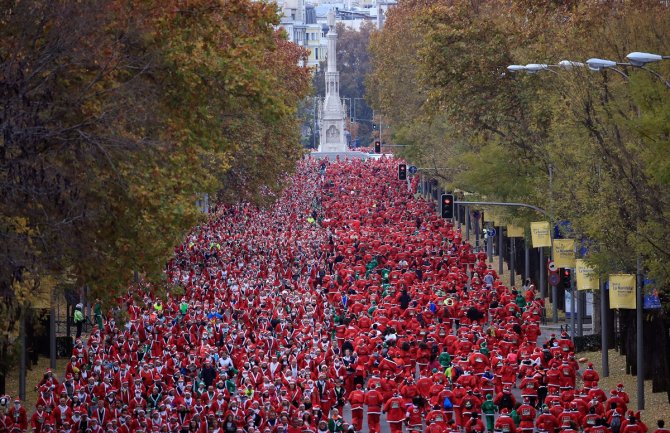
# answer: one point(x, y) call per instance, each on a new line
point(638, 60)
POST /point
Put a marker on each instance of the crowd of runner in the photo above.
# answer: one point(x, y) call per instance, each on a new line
point(348, 293)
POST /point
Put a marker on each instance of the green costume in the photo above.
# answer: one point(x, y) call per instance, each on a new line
point(335, 425)
point(444, 359)
point(230, 385)
point(97, 312)
point(489, 410)
point(520, 301)
point(369, 267)
point(515, 417)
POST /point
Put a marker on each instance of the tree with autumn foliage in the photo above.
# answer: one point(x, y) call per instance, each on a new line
point(116, 117)
point(590, 147)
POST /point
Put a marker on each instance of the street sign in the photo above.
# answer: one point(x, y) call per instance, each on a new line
point(552, 266)
point(492, 231)
point(554, 279)
point(412, 169)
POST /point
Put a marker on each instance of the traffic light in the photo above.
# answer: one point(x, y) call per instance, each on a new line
point(378, 146)
point(566, 278)
point(448, 206)
point(402, 171)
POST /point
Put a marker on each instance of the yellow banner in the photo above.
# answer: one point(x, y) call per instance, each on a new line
point(622, 291)
point(586, 276)
point(514, 231)
point(564, 253)
point(497, 220)
point(540, 234)
point(492, 216)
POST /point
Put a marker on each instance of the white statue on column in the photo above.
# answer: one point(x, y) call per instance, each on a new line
point(332, 137)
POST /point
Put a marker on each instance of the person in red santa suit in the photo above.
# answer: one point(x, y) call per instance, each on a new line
point(546, 421)
point(435, 422)
point(62, 413)
point(622, 393)
point(505, 423)
point(458, 393)
point(475, 424)
point(414, 417)
point(508, 374)
point(527, 415)
point(395, 412)
point(374, 401)
point(478, 362)
point(590, 419)
point(409, 390)
point(356, 400)
point(570, 416)
point(590, 377)
point(616, 402)
point(633, 425)
point(567, 378)
point(505, 400)
point(470, 404)
point(423, 385)
point(529, 387)
point(39, 419)
point(323, 393)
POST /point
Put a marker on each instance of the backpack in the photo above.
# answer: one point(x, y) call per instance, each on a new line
point(448, 405)
point(615, 425)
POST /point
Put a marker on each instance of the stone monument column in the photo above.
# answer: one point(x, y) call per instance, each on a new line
point(332, 137)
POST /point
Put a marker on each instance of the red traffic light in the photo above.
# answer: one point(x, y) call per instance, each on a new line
point(447, 206)
point(402, 171)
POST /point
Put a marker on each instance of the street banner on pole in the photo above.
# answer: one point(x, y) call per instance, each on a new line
point(540, 234)
point(491, 216)
point(622, 291)
point(586, 277)
point(514, 231)
point(564, 253)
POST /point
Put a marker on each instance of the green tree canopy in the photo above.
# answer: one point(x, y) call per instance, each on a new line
point(116, 116)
